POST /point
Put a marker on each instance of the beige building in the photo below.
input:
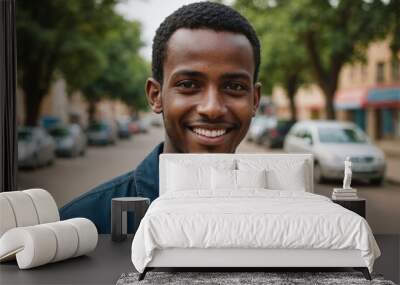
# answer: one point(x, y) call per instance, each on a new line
point(368, 94)
point(58, 106)
point(309, 101)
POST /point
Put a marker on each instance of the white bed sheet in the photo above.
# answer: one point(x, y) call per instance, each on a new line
point(252, 218)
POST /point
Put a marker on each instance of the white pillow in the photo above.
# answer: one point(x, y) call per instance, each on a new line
point(283, 180)
point(226, 179)
point(285, 174)
point(251, 178)
point(223, 179)
point(188, 175)
point(181, 178)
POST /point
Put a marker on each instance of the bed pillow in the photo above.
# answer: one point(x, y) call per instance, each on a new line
point(186, 175)
point(251, 178)
point(281, 174)
point(230, 180)
point(181, 178)
point(223, 179)
point(279, 180)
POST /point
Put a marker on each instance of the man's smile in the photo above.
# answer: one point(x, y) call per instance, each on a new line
point(210, 134)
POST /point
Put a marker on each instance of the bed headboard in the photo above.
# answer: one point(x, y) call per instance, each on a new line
point(208, 157)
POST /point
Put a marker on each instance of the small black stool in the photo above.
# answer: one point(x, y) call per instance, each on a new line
point(358, 205)
point(119, 209)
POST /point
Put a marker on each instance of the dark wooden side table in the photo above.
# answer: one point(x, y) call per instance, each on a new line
point(119, 209)
point(358, 205)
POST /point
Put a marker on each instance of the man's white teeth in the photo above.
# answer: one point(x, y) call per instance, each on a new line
point(209, 133)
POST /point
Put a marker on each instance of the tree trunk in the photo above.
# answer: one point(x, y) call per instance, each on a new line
point(291, 89)
point(33, 97)
point(92, 110)
point(330, 109)
point(329, 86)
point(327, 78)
point(36, 80)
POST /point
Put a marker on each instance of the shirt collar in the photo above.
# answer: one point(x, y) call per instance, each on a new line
point(147, 174)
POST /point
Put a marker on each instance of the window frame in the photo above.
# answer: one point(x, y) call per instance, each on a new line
point(8, 73)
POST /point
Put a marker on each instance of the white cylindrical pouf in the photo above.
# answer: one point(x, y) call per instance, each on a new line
point(23, 208)
point(87, 234)
point(40, 244)
point(7, 218)
point(45, 205)
point(67, 239)
point(34, 245)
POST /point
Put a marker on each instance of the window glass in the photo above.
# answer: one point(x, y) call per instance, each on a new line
point(340, 135)
point(380, 72)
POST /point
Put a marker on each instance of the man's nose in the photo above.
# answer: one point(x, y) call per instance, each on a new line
point(212, 104)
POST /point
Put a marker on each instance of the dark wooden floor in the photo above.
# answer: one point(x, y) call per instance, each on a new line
point(389, 262)
point(106, 264)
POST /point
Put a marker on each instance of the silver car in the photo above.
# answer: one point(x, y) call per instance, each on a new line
point(258, 126)
point(101, 133)
point(70, 140)
point(331, 142)
point(35, 147)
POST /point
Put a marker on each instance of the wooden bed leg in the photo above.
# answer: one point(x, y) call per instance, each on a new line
point(364, 271)
point(143, 274)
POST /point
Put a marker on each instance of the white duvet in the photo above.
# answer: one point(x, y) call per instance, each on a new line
point(256, 218)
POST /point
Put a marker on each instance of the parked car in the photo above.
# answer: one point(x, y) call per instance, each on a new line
point(138, 126)
point(259, 125)
point(35, 147)
point(273, 137)
point(156, 120)
point(123, 129)
point(70, 140)
point(331, 142)
point(101, 133)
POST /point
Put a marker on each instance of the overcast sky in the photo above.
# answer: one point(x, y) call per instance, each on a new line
point(150, 13)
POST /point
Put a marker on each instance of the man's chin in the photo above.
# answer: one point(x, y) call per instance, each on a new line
point(198, 148)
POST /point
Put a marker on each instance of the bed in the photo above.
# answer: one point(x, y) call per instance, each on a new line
point(246, 211)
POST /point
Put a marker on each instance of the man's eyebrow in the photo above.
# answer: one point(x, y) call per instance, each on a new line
point(236, 75)
point(188, 73)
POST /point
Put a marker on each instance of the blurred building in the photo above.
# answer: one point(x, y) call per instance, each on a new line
point(111, 110)
point(368, 94)
point(309, 101)
point(59, 107)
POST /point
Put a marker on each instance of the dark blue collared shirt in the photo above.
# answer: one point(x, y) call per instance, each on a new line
point(95, 205)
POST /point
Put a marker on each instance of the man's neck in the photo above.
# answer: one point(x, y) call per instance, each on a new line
point(168, 146)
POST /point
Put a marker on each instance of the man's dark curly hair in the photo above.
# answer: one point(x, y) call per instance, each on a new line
point(208, 15)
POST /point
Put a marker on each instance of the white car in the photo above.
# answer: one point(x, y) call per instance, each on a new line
point(258, 126)
point(331, 142)
point(35, 147)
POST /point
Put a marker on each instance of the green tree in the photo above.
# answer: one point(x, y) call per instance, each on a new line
point(332, 33)
point(59, 38)
point(335, 33)
point(126, 71)
point(284, 61)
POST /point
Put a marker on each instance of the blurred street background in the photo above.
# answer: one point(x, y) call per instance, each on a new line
point(68, 178)
point(330, 72)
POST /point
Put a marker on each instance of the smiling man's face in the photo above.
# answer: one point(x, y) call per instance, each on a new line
point(208, 95)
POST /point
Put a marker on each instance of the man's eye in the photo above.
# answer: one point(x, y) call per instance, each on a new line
point(187, 84)
point(236, 87)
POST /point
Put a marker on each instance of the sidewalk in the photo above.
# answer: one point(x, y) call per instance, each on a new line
point(392, 153)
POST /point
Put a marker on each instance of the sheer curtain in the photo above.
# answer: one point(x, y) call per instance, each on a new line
point(8, 71)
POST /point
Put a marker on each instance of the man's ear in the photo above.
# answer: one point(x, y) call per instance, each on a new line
point(257, 96)
point(153, 92)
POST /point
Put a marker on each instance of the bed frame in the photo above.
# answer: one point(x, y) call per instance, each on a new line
point(248, 258)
